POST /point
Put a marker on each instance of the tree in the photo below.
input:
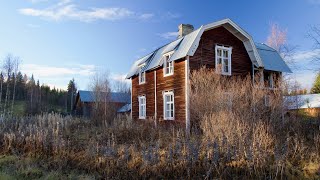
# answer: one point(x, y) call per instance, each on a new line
point(277, 39)
point(314, 34)
point(316, 85)
point(72, 91)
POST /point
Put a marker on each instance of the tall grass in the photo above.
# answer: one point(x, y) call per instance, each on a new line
point(235, 136)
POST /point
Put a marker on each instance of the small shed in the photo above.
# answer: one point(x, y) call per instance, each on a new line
point(307, 103)
point(86, 99)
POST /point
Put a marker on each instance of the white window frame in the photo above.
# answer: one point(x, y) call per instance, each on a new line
point(171, 64)
point(142, 77)
point(168, 93)
point(223, 48)
point(142, 112)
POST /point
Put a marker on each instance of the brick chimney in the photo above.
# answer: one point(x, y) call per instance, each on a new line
point(185, 29)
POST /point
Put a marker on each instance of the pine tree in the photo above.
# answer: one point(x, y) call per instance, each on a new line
point(72, 90)
point(316, 85)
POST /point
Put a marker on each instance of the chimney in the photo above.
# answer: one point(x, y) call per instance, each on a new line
point(185, 29)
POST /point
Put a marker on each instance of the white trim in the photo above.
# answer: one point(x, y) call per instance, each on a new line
point(187, 95)
point(229, 50)
point(131, 100)
point(166, 93)
point(143, 73)
point(169, 54)
point(155, 95)
point(145, 106)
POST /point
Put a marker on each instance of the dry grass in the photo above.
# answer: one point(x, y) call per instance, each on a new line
point(234, 137)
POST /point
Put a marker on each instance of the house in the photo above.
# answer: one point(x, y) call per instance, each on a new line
point(308, 104)
point(160, 79)
point(86, 99)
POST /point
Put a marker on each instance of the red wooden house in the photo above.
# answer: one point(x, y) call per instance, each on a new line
point(159, 79)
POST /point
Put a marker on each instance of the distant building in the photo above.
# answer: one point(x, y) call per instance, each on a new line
point(307, 103)
point(85, 101)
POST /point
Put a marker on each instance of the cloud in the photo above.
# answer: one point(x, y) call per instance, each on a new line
point(146, 16)
point(59, 76)
point(37, 1)
point(65, 9)
point(169, 35)
point(306, 55)
point(33, 26)
point(170, 15)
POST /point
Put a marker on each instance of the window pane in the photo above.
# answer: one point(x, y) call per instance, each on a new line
point(219, 52)
point(225, 54)
point(226, 65)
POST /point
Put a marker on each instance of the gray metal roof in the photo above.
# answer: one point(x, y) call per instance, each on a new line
point(303, 101)
point(125, 108)
point(88, 96)
point(261, 56)
point(271, 59)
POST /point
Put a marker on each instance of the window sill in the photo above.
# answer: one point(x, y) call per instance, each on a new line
point(142, 83)
point(169, 119)
point(165, 75)
point(143, 118)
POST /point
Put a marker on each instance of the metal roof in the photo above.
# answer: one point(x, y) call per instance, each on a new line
point(88, 96)
point(125, 108)
point(271, 59)
point(261, 56)
point(303, 101)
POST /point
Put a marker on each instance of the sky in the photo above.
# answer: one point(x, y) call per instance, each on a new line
point(58, 40)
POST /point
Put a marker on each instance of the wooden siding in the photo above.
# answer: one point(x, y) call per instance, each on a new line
point(205, 54)
point(146, 89)
point(174, 82)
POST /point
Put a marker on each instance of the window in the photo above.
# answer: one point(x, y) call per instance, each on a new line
point(142, 107)
point(269, 79)
point(167, 65)
point(168, 105)
point(142, 77)
point(223, 60)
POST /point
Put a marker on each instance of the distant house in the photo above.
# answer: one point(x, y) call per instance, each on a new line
point(85, 101)
point(160, 79)
point(307, 103)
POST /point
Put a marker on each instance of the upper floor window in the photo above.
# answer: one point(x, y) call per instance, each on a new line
point(142, 107)
point(168, 105)
point(167, 64)
point(223, 59)
point(142, 77)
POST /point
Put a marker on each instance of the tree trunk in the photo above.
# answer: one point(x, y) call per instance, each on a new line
point(14, 93)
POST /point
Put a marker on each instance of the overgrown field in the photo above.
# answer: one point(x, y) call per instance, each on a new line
point(51, 146)
point(235, 135)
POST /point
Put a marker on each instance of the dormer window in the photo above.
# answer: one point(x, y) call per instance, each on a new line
point(167, 64)
point(142, 77)
point(223, 59)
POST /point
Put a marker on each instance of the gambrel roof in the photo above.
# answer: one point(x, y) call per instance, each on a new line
point(261, 56)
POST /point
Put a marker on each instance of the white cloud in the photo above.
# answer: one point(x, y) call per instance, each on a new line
point(146, 16)
point(37, 1)
point(306, 55)
point(65, 9)
point(59, 76)
point(170, 15)
point(33, 25)
point(169, 35)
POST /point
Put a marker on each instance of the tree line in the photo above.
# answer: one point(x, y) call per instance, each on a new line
point(19, 92)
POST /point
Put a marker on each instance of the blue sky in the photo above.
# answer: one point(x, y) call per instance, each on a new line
point(61, 39)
